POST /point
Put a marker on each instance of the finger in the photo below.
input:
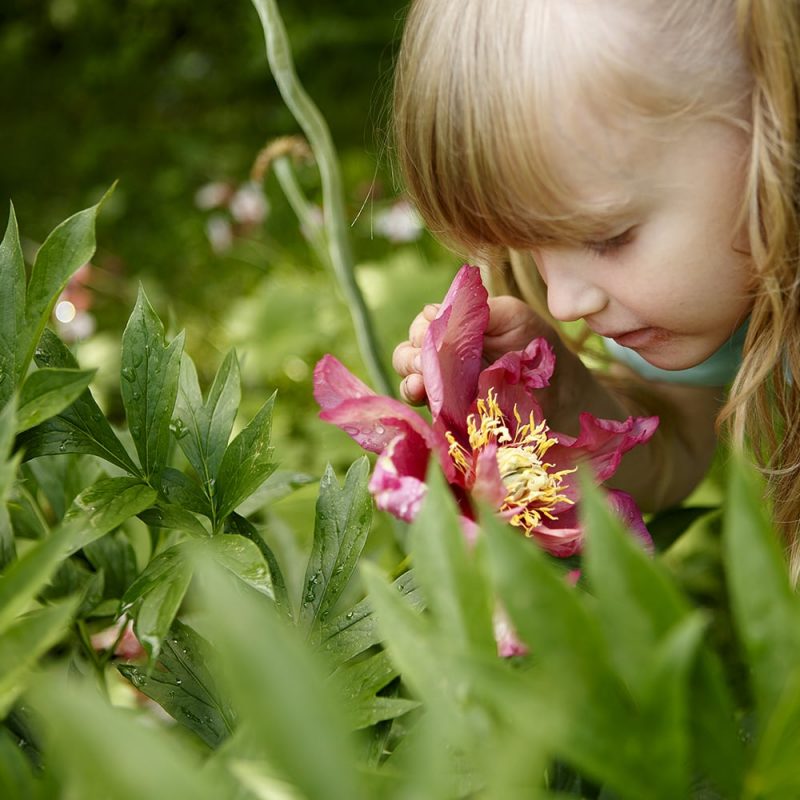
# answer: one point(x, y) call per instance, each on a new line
point(412, 389)
point(406, 359)
point(416, 333)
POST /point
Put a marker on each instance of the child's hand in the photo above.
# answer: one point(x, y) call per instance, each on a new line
point(512, 325)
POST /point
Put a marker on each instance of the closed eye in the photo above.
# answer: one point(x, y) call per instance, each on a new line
point(605, 247)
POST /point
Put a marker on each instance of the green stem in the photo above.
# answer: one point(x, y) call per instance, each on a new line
point(316, 131)
point(302, 208)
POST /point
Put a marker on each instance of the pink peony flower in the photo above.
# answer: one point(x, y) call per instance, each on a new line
point(488, 432)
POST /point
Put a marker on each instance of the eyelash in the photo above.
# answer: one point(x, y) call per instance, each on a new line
point(607, 246)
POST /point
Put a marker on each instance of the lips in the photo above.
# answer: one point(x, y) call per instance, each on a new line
point(639, 338)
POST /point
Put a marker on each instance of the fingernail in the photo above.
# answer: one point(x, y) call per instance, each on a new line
point(418, 363)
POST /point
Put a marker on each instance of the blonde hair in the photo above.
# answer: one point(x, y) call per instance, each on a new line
point(487, 93)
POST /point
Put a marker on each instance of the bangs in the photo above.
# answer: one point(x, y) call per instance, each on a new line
point(503, 107)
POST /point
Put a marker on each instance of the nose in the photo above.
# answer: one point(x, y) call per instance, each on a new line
point(572, 294)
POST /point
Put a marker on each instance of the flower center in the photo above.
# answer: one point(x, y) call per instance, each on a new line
point(533, 486)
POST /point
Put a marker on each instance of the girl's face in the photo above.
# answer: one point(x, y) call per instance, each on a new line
point(670, 277)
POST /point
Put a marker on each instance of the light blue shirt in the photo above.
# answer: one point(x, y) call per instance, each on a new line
point(719, 369)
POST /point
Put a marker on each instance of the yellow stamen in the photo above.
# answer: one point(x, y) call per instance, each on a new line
point(533, 490)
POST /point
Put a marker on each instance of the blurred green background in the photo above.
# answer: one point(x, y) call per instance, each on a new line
point(174, 99)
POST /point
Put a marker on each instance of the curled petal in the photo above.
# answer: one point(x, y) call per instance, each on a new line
point(561, 538)
point(624, 506)
point(452, 349)
point(601, 443)
point(398, 482)
point(488, 485)
point(334, 383)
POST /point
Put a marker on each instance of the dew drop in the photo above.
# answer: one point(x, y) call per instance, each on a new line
point(380, 430)
point(349, 615)
point(128, 374)
point(178, 682)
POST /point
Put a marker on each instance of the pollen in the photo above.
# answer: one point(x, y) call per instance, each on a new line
point(534, 487)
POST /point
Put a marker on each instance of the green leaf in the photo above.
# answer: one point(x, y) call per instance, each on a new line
point(80, 428)
point(247, 462)
point(242, 557)
point(636, 602)
point(174, 517)
point(67, 248)
point(549, 616)
point(27, 519)
point(91, 763)
point(203, 429)
point(74, 579)
point(103, 507)
point(278, 690)
point(8, 472)
point(149, 385)
point(356, 630)
point(155, 597)
point(181, 490)
point(24, 642)
point(12, 306)
point(343, 518)
point(184, 687)
point(664, 734)
point(277, 486)
point(48, 391)
point(236, 524)
point(774, 770)
point(114, 555)
point(16, 773)
point(765, 608)
point(456, 593)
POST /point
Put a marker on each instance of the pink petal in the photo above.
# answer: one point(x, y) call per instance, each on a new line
point(452, 349)
point(508, 643)
point(334, 383)
point(398, 481)
point(488, 486)
point(515, 376)
point(601, 442)
point(624, 506)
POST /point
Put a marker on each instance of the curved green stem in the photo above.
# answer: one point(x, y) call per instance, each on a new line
point(316, 131)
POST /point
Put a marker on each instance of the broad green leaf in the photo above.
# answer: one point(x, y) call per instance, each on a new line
point(181, 490)
point(636, 602)
point(367, 711)
point(277, 486)
point(203, 429)
point(664, 734)
point(8, 471)
point(183, 685)
point(174, 517)
point(24, 642)
point(149, 385)
point(47, 391)
point(74, 579)
point(238, 525)
point(343, 518)
point(456, 593)
point(765, 608)
point(80, 428)
point(96, 511)
point(667, 526)
point(242, 557)
point(17, 778)
point(155, 597)
point(364, 678)
point(93, 766)
point(103, 507)
point(774, 770)
point(27, 518)
point(247, 462)
point(278, 690)
point(12, 306)
point(68, 247)
point(356, 630)
point(549, 616)
point(114, 555)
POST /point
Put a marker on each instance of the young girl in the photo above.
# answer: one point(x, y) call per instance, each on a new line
point(631, 164)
